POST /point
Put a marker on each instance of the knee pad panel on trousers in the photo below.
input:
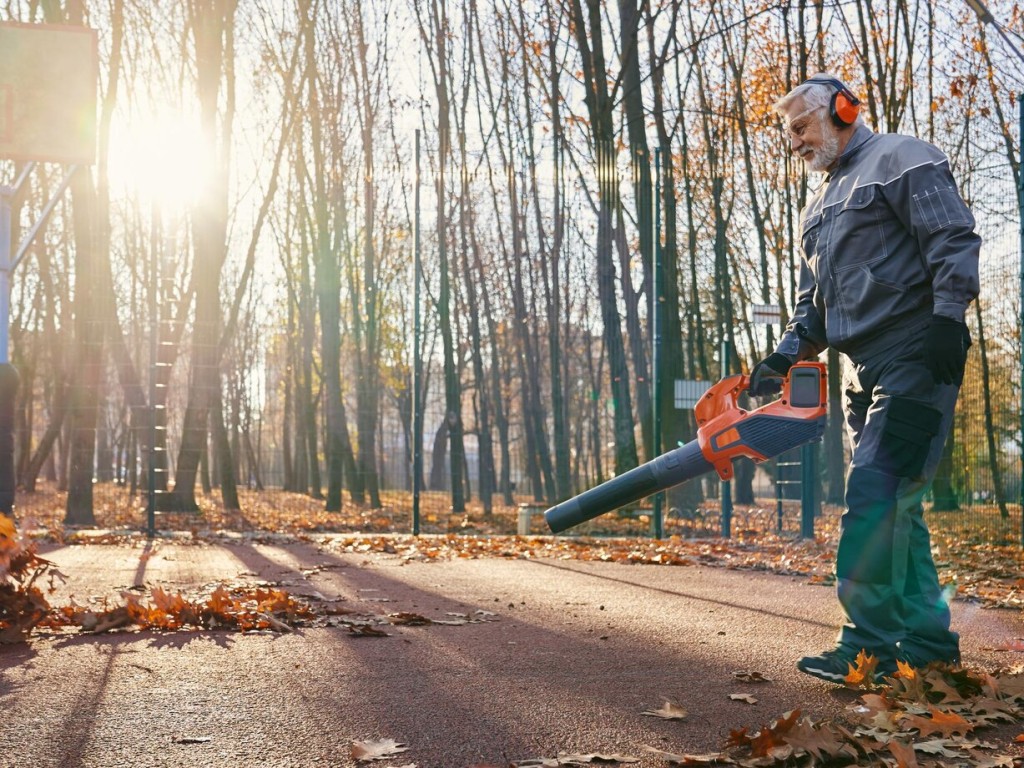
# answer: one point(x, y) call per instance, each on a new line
point(906, 437)
point(868, 527)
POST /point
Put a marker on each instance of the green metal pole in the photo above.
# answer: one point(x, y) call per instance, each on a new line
point(725, 484)
point(417, 365)
point(809, 494)
point(656, 518)
point(154, 353)
point(8, 374)
point(1020, 326)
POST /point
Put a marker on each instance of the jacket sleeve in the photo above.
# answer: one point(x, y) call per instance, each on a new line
point(804, 337)
point(924, 196)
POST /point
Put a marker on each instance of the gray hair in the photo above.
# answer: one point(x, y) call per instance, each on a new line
point(816, 92)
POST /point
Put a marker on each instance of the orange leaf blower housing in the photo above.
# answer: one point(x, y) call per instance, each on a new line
point(724, 431)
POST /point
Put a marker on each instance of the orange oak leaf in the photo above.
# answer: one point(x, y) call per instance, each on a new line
point(771, 737)
point(862, 671)
point(944, 723)
point(818, 740)
point(739, 738)
point(904, 754)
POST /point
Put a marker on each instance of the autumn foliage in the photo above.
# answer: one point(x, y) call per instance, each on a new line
point(22, 604)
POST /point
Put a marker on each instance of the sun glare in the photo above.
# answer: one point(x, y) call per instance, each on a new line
point(163, 160)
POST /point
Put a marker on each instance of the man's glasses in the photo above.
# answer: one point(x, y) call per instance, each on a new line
point(798, 125)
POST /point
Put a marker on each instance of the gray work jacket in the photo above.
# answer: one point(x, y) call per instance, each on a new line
point(887, 241)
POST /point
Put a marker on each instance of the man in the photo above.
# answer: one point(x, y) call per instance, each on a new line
point(889, 266)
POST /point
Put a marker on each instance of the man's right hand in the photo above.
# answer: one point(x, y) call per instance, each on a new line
point(766, 377)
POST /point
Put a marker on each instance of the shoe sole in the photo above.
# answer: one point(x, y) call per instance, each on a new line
point(823, 674)
point(834, 677)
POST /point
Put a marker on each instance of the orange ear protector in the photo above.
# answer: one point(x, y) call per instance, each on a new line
point(844, 106)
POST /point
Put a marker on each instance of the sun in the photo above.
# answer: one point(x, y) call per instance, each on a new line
point(163, 159)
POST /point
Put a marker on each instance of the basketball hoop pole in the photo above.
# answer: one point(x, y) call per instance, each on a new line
point(8, 373)
point(9, 378)
point(6, 195)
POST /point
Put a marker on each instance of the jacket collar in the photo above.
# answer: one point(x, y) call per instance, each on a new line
point(860, 137)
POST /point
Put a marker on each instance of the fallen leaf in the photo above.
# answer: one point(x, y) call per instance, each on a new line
point(364, 751)
point(770, 740)
point(937, 747)
point(817, 740)
point(366, 630)
point(1015, 645)
point(862, 672)
point(409, 619)
point(876, 702)
point(998, 761)
point(945, 723)
point(712, 758)
point(743, 697)
point(668, 711)
point(595, 758)
point(274, 623)
point(904, 754)
point(939, 687)
point(738, 737)
point(751, 677)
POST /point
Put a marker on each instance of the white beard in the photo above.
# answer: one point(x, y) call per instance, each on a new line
point(827, 153)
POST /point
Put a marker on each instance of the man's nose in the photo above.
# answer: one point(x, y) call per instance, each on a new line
point(795, 142)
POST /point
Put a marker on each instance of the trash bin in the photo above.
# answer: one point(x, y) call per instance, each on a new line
point(527, 511)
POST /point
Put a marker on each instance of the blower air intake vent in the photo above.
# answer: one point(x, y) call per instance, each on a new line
point(770, 435)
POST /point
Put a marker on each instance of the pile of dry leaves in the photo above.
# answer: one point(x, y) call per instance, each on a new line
point(22, 604)
point(917, 717)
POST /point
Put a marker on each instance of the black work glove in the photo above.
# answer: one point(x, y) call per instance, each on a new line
point(766, 377)
point(945, 349)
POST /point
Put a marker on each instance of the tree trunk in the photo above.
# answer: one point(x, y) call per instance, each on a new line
point(88, 356)
point(467, 229)
point(990, 428)
point(676, 429)
point(211, 22)
point(635, 119)
point(365, 307)
point(600, 108)
point(437, 456)
point(225, 460)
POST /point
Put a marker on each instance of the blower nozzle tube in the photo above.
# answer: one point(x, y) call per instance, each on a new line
point(669, 469)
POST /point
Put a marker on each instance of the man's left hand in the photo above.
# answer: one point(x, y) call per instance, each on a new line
point(945, 349)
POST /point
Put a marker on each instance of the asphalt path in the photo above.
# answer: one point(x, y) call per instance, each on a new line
point(572, 655)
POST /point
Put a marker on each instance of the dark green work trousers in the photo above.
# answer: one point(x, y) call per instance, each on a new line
point(897, 418)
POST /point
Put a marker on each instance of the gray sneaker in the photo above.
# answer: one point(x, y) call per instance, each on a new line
point(833, 666)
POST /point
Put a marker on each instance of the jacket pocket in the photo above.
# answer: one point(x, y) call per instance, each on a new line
point(907, 436)
point(859, 286)
point(859, 198)
point(941, 207)
point(857, 218)
point(810, 232)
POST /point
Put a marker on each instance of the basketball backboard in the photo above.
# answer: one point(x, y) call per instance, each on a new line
point(48, 79)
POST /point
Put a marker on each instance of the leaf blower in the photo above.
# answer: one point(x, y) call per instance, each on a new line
point(724, 431)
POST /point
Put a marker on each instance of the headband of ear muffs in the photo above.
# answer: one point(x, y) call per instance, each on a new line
point(844, 106)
